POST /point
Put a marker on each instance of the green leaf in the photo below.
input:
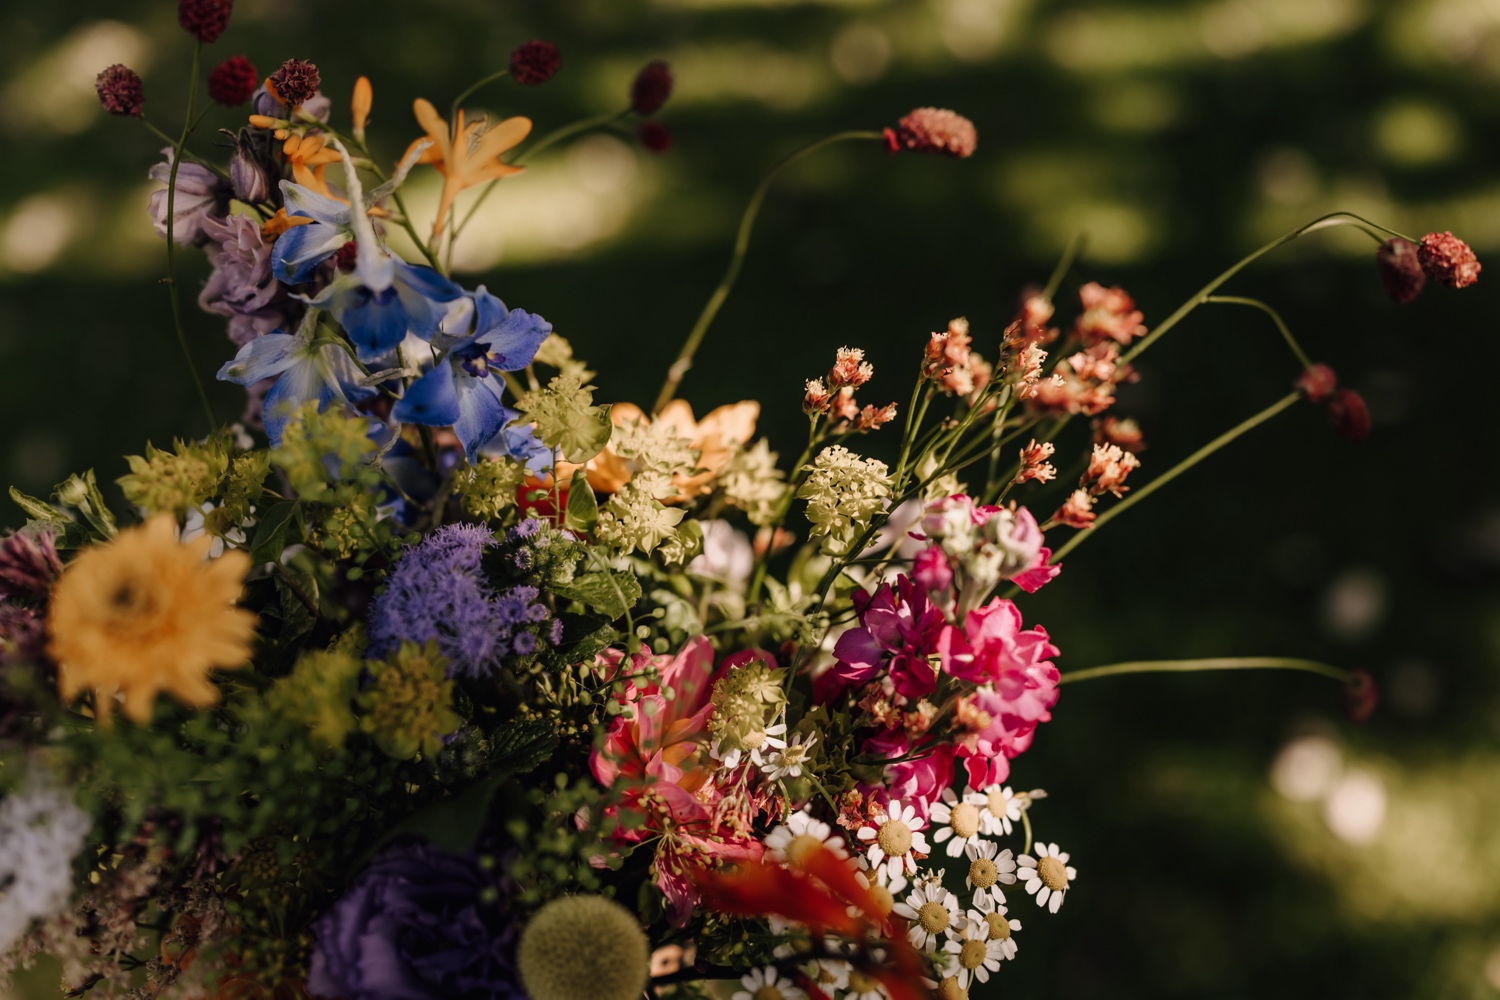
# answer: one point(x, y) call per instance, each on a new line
point(583, 636)
point(82, 494)
point(39, 510)
point(522, 745)
point(270, 534)
point(584, 433)
point(612, 594)
point(583, 508)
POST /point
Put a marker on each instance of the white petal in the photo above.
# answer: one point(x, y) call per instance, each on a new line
point(1057, 899)
point(1042, 894)
point(955, 848)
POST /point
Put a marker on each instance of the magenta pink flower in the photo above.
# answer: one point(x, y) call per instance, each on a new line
point(920, 780)
point(899, 629)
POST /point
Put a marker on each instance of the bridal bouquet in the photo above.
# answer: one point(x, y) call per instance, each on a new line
point(435, 677)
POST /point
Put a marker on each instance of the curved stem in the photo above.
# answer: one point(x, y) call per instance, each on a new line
point(473, 88)
point(175, 294)
point(1211, 663)
point(1065, 263)
point(737, 258)
point(1026, 820)
point(1286, 333)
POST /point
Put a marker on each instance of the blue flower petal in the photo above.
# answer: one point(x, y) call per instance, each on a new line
point(513, 342)
point(489, 311)
point(431, 400)
point(261, 358)
point(298, 385)
point(481, 414)
point(519, 441)
point(305, 201)
point(423, 293)
point(298, 251)
point(375, 322)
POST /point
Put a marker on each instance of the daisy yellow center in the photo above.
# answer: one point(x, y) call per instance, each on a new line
point(894, 837)
point(972, 954)
point(983, 873)
point(933, 917)
point(767, 992)
point(964, 820)
point(861, 983)
point(800, 846)
point(994, 801)
point(883, 899)
point(1054, 874)
point(951, 989)
point(753, 740)
point(999, 926)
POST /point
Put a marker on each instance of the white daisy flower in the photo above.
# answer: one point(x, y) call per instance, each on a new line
point(1001, 926)
point(864, 987)
point(1048, 875)
point(977, 956)
point(933, 912)
point(767, 984)
point(895, 839)
point(196, 524)
point(787, 762)
point(790, 841)
point(753, 745)
point(961, 819)
point(1002, 809)
point(988, 868)
point(830, 973)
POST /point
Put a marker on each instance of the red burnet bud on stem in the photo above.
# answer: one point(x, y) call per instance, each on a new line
point(1448, 260)
point(933, 130)
point(1400, 269)
point(535, 62)
point(651, 88)
point(294, 83)
point(120, 91)
point(1349, 414)
point(205, 20)
point(655, 136)
point(1361, 695)
point(1317, 383)
point(233, 81)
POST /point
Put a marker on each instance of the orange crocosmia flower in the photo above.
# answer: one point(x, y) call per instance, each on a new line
point(766, 887)
point(308, 156)
point(364, 98)
point(280, 223)
point(473, 157)
point(717, 437)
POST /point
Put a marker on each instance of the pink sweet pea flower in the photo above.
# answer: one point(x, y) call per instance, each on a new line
point(899, 629)
point(919, 781)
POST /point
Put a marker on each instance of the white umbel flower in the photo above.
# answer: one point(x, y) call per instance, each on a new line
point(895, 839)
point(975, 956)
point(787, 762)
point(1048, 876)
point(767, 984)
point(989, 867)
point(960, 820)
point(790, 841)
point(1002, 809)
point(41, 831)
point(933, 911)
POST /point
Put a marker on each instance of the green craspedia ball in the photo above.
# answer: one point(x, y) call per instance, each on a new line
point(583, 948)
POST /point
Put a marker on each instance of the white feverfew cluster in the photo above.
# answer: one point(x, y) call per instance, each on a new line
point(843, 492)
point(753, 483)
point(41, 831)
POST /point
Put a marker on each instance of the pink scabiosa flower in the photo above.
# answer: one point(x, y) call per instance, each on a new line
point(651, 88)
point(898, 630)
point(1448, 260)
point(1400, 266)
point(233, 81)
point(1317, 383)
point(534, 62)
point(120, 91)
point(1108, 314)
point(205, 20)
point(934, 130)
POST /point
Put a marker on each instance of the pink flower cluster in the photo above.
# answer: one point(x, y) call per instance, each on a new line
point(974, 547)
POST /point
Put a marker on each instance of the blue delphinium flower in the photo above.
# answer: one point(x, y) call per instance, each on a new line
point(309, 371)
point(437, 591)
point(298, 251)
point(460, 391)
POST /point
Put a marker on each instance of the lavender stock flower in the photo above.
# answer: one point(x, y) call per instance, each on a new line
point(241, 281)
point(201, 196)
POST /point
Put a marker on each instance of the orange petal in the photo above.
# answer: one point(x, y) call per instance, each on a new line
point(502, 137)
point(433, 124)
point(364, 97)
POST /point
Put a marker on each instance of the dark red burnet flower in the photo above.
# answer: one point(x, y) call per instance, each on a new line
point(1349, 414)
point(1448, 260)
point(120, 91)
point(535, 62)
point(295, 82)
point(1317, 383)
point(655, 136)
point(933, 130)
point(651, 88)
point(205, 20)
point(1361, 695)
point(233, 81)
point(1400, 269)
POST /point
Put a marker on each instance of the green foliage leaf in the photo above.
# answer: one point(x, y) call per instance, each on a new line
point(270, 533)
point(583, 636)
point(39, 510)
point(612, 594)
point(583, 508)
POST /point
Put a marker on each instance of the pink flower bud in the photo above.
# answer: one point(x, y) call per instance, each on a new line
point(1317, 383)
point(233, 81)
point(655, 136)
point(651, 88)
point(120, 91)
point(534, 62)
point(1400, 269)
point(1361, 695)
point(205, 20)
point(1448, 260)
point(934, 130)
point(1349, 414)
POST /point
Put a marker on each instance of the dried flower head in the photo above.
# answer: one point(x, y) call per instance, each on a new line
point(1349, 414)
point(205, 20)
point(651, 88)
point(1077, 511)
point(874, 417)
point(816, 397)
point(120, 91)
point(850, 369)
point(294, 83)
point(655, 136)
point(1108, 314)
point(233, 81)
point(1034, 464)
point(1317, 383)
point(1400, 265)
point(1124, 432)
point(1448, 260)
point(534, 62)
point(1109, 465)
point(934, 130)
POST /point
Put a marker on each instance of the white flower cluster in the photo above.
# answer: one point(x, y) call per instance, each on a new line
point(753, 483)
point(843, 492)
point(41, 831)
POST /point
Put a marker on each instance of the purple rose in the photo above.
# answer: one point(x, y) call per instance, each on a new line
point(201, 195)
point(241, 281)
point(418, 924)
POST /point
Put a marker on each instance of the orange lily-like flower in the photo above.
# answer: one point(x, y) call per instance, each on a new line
point(309, 155)
point(359, 106)
point(472, 157)
point(717, 437)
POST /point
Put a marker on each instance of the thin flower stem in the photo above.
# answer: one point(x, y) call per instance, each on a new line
point(684, 360)
point(1211, 663)
point(783, 508)
point(206, 164)
point(1064, 264)
point(172, 287)
point(1026, 822)
point(470, 92)
point(1286, 333)
point(1143, 492)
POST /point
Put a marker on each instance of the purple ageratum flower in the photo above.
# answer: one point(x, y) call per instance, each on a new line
point(305, 370)
point(201, 195)
point(241, 281)
point(416, 925)
point(459, 391)
point(437, 591)
point(899, 630)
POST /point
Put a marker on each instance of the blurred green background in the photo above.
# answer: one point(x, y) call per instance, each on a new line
point(1234, 835)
